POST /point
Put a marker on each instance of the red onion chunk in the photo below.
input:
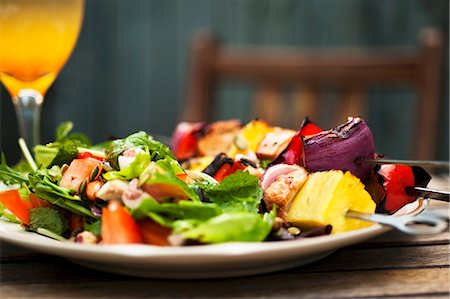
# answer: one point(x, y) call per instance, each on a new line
point(273, 172)
point(339, 148)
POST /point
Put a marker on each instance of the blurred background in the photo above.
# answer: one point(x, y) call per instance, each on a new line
point(129, 69)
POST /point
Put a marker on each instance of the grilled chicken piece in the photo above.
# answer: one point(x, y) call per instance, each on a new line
point(219, 137)
point(274, 143)
point(283, 190)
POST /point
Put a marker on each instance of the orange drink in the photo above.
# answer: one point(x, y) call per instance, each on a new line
point(36, 39)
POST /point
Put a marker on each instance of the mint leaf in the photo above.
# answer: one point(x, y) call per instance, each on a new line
point(48, 218)
point(239, 192)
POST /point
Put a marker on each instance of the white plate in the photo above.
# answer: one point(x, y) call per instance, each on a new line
point(205, 261)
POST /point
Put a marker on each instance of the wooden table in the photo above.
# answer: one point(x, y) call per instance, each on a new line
point(390, 266)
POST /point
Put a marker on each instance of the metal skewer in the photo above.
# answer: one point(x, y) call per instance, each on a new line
point(428, 193)
point(424, 163)
point(433, 223)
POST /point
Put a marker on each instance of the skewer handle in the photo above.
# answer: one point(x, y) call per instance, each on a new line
point(431, 223)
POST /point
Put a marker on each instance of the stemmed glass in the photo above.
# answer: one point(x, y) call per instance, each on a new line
point(36, 39)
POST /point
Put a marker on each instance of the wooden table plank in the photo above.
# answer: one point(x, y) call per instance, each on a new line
point(47, 268)
point(415, 282)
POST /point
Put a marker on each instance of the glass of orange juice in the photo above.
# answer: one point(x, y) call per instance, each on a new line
point(36, 39)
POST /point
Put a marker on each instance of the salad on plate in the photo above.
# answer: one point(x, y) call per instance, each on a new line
point(219, 182)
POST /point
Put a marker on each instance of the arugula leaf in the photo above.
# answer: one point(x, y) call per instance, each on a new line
point(48, 218)
point(239, 192)
point(234, 227)
point(134, 170)
point(141, 140)
point(10, 176)
point(44, 184)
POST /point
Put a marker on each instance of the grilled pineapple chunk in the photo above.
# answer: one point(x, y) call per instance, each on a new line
point(325, 199)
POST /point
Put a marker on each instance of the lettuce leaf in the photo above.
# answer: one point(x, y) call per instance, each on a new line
point(134, 170)
point(229, 227)
point(156, 149)
point(63, 150)
point(166, 213)
point(165, 172)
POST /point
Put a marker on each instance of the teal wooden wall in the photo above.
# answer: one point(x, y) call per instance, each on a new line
point(128, 70)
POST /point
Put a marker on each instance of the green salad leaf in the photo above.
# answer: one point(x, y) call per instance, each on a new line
point(164, 172)
point(48, 218)
point(228, 227)
point(166, 213)
point(63, 150)
point(156, 149)
point(45, 185)
point(63, 130)
point(10, 217)
point(10, 176)
point(232, 214)
point(134, 170)
point(239, 192)
point(94, 227)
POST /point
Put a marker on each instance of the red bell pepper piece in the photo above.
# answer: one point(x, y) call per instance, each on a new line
point(36, 202)
point(395, 179)
point(88, 155)
point(15, 204)
point(184, 139)
point(154, 233)
point(118, 226)
point(293, 154)
point(309, 128)
point(223, 171)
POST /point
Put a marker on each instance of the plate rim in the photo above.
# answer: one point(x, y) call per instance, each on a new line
point(15, 234)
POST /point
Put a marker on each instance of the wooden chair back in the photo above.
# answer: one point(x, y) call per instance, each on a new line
point(309, 71)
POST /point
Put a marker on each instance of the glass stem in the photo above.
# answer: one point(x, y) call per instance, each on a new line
point(28, 105)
